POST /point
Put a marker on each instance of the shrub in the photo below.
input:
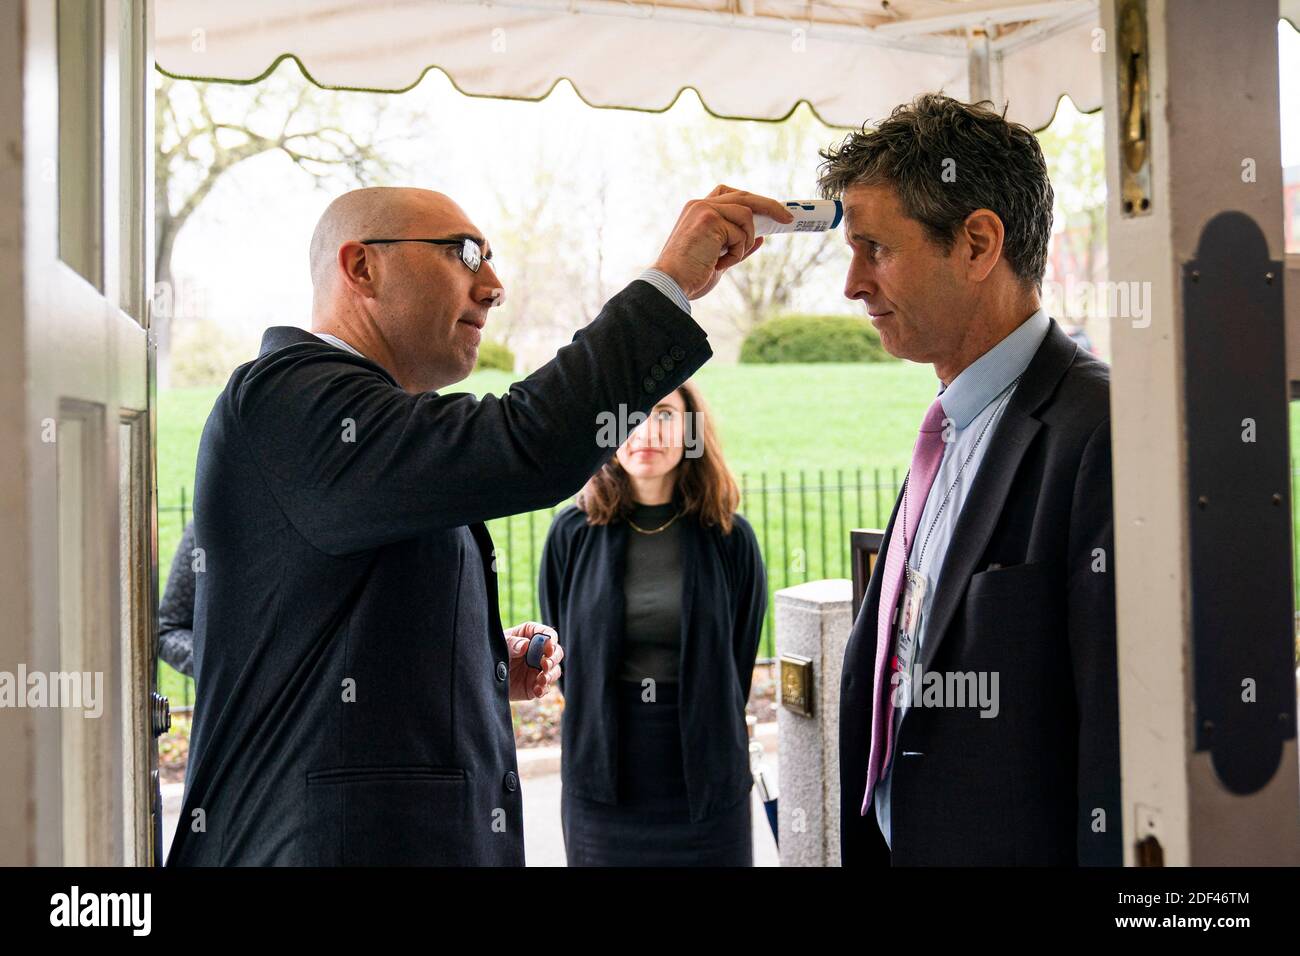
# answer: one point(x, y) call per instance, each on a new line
point(205, 352)
point(495, 355)
point(814, 338)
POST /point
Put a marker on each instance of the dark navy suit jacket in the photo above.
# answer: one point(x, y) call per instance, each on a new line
point(349, 657)
point(1027, 591)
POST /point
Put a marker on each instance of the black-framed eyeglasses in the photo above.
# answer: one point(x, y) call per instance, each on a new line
point(471, 253)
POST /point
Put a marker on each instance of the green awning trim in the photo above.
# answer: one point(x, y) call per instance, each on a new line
point(275, 64)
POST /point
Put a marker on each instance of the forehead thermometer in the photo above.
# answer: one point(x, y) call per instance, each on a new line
point(810, 215)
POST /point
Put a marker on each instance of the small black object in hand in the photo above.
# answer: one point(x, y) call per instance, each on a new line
point(535, 648)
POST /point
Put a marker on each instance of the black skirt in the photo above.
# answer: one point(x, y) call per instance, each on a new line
point(651, 824)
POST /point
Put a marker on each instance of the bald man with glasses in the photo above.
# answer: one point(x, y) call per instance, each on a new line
point(352, 676)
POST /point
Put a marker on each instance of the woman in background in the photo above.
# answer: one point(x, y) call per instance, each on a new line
point(176, 610)
point(658, 588)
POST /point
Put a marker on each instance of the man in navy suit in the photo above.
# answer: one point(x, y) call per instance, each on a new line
point(353, 679)
point(979, 706)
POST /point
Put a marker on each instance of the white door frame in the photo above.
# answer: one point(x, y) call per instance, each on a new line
point(1199, 136)
point(78, 579)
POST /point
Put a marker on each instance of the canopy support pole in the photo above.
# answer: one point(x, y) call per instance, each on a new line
point(984, 65)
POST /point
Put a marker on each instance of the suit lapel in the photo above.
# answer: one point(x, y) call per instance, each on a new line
point(988, 494)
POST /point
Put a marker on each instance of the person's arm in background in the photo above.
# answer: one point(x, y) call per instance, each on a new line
point(752, 595)
point(1090, 598)
point(176, 610)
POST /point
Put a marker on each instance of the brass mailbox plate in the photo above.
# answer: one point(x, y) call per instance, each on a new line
point(797, 684)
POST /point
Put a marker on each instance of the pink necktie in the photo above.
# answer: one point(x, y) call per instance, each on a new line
point(926, 455)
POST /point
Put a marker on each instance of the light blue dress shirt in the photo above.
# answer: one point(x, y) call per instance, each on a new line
point(668, 286)
point(973, 400)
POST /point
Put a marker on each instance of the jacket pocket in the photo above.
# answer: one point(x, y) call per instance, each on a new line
point(360, 774)
point(390, 816)
point(1018, 581)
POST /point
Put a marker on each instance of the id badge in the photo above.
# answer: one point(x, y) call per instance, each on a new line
point(909, 624)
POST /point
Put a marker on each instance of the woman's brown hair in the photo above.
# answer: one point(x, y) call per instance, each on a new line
point(704, 486)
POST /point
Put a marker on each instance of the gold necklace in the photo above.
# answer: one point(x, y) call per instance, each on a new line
point(662, 527)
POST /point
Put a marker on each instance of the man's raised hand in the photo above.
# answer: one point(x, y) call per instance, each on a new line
point(712, 235)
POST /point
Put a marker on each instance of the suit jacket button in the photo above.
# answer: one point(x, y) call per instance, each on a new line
point(666, 362)
point(657, 373)
point(677, 353)
point(648, 385)
point(502, 671)
point(511, 781)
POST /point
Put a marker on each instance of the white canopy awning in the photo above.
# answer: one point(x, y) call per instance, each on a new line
point(852, 60)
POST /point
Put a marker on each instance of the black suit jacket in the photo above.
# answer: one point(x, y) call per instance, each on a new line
point(350, 663)
point(724, 598)
point(1026, 590)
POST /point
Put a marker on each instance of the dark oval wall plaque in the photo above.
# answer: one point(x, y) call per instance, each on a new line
point(1239, 502)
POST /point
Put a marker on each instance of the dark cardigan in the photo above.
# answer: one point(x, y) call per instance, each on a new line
point(724, 598)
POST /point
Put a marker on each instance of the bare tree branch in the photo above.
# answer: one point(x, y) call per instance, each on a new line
point(195, 149)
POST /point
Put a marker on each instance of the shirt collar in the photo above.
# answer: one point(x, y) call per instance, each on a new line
point(989, 375)
point(336, 341)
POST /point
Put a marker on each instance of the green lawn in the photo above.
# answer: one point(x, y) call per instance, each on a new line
point(804, 440)
point(771, 418)
point(836, 438)
point(775, 417)
point(827, 427)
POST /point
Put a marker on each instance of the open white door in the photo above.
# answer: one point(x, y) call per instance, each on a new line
point(78, 567)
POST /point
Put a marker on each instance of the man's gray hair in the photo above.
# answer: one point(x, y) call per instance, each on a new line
point(945, 159)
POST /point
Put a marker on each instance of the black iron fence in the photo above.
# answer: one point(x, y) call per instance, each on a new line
point(802, 520)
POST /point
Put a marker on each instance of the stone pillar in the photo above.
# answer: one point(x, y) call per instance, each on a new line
point(813, 621)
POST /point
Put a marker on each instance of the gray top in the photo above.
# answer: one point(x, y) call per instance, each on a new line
point(652, 592)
